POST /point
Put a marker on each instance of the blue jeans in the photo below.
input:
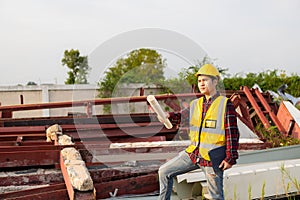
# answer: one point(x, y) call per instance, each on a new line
point(214, 183)
point(182, 164)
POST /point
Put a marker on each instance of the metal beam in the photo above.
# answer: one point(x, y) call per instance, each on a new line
point(94, 102)
point(29, 158)
point(271, 113)
point(50, 192)
point(256, 107)
point(136, 185)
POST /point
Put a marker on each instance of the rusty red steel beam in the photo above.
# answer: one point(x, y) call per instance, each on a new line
point(54, 176)
point(31, 148)
point(271, 113)
point(50, 195)
point(147, 131)
point(137, 177)
point(238, 102)
point(244, 116)
point(130, 186)
point(83, 131)
point(25, 143)
point(67, 127)
point(16, 138)
point(173, 104)
point(18, 135)
point(256, 107)
point(29, 158)
point(23, 129)
point(51, 192)
point(93, 102)
point(107, 174)
point(98, 175)
point(63, 119)
point(32, 176)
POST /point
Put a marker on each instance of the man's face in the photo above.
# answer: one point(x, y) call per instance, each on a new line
point(207, 85)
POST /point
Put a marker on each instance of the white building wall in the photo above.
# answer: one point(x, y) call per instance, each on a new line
point(10, 95)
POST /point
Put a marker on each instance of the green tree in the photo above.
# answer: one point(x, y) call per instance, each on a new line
point(267, 80)
point(78, 66)
point(138, 66)
point(31, 83)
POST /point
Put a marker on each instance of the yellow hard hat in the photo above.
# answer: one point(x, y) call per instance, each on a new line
point(208, 69)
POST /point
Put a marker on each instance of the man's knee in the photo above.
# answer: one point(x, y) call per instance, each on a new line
point(161, 171)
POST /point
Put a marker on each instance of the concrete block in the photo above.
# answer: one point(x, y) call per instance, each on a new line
point(70, 153)
point(78, 174)
point(53, 131)
point(65, 140)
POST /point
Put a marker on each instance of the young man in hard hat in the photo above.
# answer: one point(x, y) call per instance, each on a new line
point(213, 124)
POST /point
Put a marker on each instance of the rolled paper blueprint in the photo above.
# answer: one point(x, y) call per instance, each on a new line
point(158, 110)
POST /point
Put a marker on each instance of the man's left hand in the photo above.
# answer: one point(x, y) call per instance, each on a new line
point(225, 165)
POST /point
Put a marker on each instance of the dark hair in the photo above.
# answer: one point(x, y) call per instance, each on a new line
point(211, 77)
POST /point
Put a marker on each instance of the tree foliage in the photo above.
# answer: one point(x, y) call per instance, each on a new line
point(267, 80)
point(78, 66)
point(31, 83)
point(139, 66)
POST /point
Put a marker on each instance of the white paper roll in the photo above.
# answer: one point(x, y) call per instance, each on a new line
point(158, 110)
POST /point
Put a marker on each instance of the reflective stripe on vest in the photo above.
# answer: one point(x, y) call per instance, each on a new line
point(213, 131)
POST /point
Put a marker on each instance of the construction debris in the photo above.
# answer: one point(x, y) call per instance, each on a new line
point(65, 140)
point(52, 132)
point(289, 117)
point(79, 175)
point(110, 155)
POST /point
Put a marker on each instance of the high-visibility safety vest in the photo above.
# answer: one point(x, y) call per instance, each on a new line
point(213, 131)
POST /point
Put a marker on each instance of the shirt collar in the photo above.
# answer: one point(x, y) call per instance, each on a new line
point(212, 98)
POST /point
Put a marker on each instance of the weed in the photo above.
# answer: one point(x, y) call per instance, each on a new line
point(249, 192)
point(294, 181)
point(272, 135)
point(263, 191)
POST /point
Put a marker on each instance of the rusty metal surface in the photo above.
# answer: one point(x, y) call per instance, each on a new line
point(134, 185)
point(51, 192)
point(23, 144)
point(85, 103)
point(270, 112)
point(257, 108)
point(29, 158)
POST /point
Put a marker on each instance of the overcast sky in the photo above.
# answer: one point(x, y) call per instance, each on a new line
point(244, 36)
